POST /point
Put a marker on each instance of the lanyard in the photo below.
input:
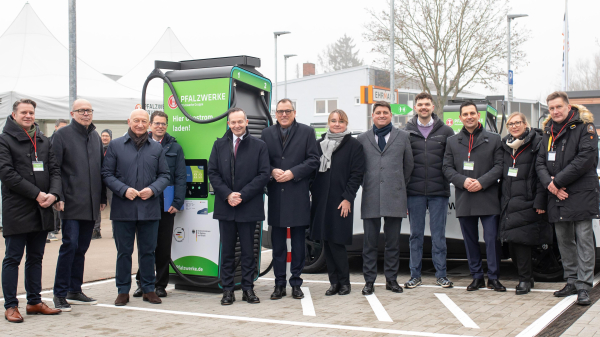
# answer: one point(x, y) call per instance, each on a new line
point(552, 129)
point(470, 147)
point(515, 157)
point(34, 142)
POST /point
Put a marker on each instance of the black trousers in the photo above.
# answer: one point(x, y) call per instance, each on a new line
point(279, 242)
point(522, 256)
point(162, 253)
point(229, 231)
point(391, 257)
point(34, 243)
point(337, 263)
point(469, 226)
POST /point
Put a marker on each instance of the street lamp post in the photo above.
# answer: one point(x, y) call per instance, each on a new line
point(285, 57)
point(509, 81)
point(392, 84)
point(276, 34)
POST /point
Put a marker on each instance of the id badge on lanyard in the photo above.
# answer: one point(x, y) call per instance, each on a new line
point(38, 166)
point(468, 165)
point(512, 171)
point(552, 156)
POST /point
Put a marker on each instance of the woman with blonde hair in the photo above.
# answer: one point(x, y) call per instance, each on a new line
point(523, 220)
point(333, 191)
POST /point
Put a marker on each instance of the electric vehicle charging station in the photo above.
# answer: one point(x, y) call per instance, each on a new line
point(197, 94)
point(488, 115)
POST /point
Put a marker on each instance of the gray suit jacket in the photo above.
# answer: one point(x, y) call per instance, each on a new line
point(386, 176)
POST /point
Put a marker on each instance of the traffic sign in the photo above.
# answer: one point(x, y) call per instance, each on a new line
point(510, 77)
point(400, 109)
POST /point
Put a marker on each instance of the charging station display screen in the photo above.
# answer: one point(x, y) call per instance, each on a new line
point(196, 178)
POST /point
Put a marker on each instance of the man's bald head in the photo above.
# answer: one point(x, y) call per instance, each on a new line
point(82, 112)
point(138, 121)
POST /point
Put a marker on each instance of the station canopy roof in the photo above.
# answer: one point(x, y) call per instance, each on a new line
point(34, 64)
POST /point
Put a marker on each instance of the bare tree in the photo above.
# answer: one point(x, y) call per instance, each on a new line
point(340, 55)
point(448, 45)
point(586, 75)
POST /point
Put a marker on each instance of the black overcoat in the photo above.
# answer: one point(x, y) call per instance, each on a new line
point(247, 173)
point(289, 202)
point(487, 155)
point(522, 195)
point(21, 213)
point(574, 167)
point(330, 188)
point(79, 155)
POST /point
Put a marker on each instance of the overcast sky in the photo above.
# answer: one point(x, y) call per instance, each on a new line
point(114, 35)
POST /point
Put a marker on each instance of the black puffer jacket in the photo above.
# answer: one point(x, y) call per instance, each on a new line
point(21, 213)
point(574, 168)
point(523, 194)
point(428, 154)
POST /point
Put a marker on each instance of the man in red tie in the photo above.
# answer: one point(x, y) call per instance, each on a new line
point(238, 169)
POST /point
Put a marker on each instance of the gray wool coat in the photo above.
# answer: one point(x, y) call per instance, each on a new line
point(386, 175)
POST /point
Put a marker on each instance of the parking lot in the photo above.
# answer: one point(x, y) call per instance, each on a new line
point(425, 311)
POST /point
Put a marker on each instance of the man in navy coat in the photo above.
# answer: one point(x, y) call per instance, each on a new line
point(294, 157)
point(238, 169)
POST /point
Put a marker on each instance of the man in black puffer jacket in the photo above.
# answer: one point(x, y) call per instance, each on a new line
point(428, 189)
point(566, 166)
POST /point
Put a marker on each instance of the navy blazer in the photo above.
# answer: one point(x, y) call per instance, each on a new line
point(124, 167)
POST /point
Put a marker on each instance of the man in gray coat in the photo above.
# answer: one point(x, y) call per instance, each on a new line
point(389, 164)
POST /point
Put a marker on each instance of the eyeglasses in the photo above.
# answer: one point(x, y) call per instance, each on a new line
point(514, 124)
point(160, 124)
point(84, 111)
point(284, 112)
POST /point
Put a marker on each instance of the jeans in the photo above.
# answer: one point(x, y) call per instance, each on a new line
point(76, 238)
point(469, 225)
point(391, 257)
point(124, 233)
point(279, 242)
point(576, 246)
point(34, 243)
point(438, 211)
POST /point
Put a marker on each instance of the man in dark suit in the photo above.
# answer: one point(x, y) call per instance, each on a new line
point(238, 169)
point(473, 163)
point(293, 156)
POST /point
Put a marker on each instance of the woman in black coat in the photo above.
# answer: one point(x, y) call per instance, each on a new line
point(523, 222)
point(333, 190)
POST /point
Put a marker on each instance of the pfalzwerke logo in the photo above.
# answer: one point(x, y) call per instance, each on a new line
point(138, 106)
point(449, 122)
point(179, 234)
point(172, 103)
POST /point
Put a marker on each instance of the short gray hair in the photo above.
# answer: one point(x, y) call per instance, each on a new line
point(60, 121)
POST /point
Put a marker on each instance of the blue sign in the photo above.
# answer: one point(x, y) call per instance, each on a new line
point(510, 77)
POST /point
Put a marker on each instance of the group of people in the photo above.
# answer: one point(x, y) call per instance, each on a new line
point(518, 187)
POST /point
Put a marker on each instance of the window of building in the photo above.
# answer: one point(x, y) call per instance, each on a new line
point(325, 106)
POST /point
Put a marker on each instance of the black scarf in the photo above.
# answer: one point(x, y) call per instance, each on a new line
point(138, 141)
point(381, 133)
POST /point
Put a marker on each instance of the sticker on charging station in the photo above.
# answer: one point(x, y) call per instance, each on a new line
point(172, 103)
point(195, 250)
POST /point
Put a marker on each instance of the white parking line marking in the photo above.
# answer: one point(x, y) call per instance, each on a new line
point(378, 308)
point(456, 311)
point(308, 309)
point(282, 322)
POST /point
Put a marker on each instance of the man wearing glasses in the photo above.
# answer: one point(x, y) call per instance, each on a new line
point(175, 195)
point(294, 157)
point(136, 171)
point(78, 151)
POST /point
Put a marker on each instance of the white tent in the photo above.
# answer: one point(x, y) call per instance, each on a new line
point(168, 48)
point(34, 64)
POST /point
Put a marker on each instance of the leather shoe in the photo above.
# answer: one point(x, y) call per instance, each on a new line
point(368, 289)
point(297, 293)
point(249, 296)
point(278, 293)
point(344, 289)
point(13, 316)
point(583, 298)
point(121, 300)
point(160, 292)
point(228, 297)
point(138, 292)
point(532, 283)
point(393, 286)
point(476, 284)
point(152, 298)
point(41, 308)
point(523, 288)
point(334, 289)
point(496, 285)
point(568, 290)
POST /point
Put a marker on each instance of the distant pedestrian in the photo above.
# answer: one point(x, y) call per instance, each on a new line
point(106, 137)
point(30, 179)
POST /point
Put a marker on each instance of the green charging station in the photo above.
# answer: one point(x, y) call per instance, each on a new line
point(197, 93)
point(488, 117)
